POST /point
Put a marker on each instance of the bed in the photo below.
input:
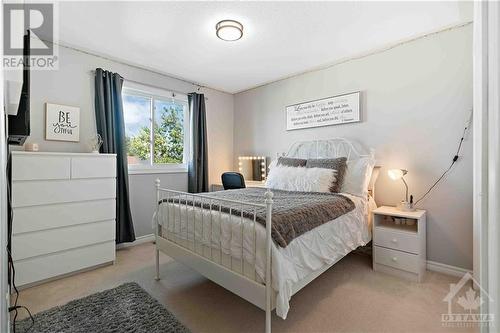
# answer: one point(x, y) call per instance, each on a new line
point(228, 237)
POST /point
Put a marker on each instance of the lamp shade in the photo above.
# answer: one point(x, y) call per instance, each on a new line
point(396, 174)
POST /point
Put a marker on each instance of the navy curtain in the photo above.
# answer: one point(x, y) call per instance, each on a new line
point(198, 162)
point(111, 126)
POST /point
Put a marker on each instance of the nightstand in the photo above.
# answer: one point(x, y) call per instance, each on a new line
point(399, 245)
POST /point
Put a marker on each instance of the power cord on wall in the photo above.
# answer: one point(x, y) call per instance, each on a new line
point(12, 276)
point(454, 160)
point(16, 307)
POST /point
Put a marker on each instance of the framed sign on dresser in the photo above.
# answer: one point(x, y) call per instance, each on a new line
point(64, 207)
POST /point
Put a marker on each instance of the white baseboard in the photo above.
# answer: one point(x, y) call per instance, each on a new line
point(446, 269)
point(138, 240)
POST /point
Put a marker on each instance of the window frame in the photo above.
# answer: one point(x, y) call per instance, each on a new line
point(154, 94)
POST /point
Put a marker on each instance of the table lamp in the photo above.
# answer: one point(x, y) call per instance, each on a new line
point(396, 174)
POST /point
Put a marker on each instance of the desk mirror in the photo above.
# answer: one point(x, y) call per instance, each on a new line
point(253, 168)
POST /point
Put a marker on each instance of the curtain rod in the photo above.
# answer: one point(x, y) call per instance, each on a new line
point(157, 87)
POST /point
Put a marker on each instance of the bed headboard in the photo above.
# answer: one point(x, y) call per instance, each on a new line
point(333, 148)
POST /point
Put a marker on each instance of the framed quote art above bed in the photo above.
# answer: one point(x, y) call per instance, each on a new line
point(335, 110)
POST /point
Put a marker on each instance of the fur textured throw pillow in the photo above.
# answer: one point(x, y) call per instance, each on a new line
point(288, 178)
point(339, 164)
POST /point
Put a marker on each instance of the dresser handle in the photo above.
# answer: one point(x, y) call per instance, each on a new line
point(394, 240)
point(394, 259)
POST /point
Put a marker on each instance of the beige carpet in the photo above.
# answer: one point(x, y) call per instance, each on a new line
point(349, 297)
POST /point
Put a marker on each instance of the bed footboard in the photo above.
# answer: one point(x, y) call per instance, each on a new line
point(180, 235)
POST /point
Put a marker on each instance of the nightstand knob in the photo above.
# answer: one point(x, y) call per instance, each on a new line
point(394, 240)
point(394, 259)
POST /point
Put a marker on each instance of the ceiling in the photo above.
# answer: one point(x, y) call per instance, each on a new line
point(280, 38)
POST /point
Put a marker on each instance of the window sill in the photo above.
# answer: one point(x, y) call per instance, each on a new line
point(147, 171)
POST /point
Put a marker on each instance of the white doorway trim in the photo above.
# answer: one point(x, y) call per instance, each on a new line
point(487, 153)
point(4, 295)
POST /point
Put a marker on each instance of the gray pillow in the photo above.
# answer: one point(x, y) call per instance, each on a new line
point(292, 162)
point(339, 164)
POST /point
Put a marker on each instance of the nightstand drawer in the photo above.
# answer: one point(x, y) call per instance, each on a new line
point(396, 259)
point(396, 240)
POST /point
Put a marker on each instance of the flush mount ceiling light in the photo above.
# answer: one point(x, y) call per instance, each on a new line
point(229, 30)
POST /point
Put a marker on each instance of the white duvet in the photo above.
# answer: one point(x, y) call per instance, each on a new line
point(217, 231)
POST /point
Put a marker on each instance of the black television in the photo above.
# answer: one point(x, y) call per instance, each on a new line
point(19, 124)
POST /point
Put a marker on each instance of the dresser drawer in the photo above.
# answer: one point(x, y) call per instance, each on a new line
point(32, 193)
point(42, 242)
point(396, 259)
point(43, 267)
point(396, 240)
point(35, 218)
point(99, 166)
point(36, 167)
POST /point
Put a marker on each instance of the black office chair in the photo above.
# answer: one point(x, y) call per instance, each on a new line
point(232, 180)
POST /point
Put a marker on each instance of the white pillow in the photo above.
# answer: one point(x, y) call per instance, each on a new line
point(357, 176)
point(302, 179)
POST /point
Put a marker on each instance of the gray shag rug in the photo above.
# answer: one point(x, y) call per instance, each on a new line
point(126, 308)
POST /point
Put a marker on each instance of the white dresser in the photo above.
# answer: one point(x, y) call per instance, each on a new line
point(399, 242)
point(64, 213)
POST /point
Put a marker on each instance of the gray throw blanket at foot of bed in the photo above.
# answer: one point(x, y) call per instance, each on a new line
point(293, 213)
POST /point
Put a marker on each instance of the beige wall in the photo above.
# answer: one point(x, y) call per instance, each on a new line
point(416, 99)
point(73, 84)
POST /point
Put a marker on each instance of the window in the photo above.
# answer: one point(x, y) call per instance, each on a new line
point(156, 128)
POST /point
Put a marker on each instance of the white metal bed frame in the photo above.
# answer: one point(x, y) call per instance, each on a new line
point(261, 295)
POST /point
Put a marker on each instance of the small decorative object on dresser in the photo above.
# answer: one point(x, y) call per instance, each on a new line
point(95, 144)
point(31, 146)
point(62, 122)
point(399, 245)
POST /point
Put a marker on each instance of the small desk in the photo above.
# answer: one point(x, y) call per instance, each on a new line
point(218, 186)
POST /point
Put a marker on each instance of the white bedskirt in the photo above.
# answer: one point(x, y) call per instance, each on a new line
point(219, 238)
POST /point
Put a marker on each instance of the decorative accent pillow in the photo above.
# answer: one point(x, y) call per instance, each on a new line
point(339, 164)
point(282, 177)
point(357, 176)
point(292, 162)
